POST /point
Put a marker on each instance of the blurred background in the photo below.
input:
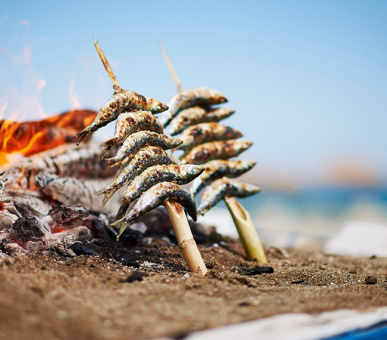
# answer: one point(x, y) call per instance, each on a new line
point(308, 81)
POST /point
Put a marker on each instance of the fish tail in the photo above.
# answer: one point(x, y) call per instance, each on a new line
point(111, 162)
point(107, 192)
point(121, 224)
point(101, 192)
point(107, 146)
point(82, 135)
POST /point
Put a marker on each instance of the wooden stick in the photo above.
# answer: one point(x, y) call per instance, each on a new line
point(171, 68)
point(116, 85)
point(247, 233)
point(186, 242)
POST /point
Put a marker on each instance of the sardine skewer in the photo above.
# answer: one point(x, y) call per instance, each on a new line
point(172, 194)
point(139, 140)
point(130, 122)
point(240, 216)
point(159, 173)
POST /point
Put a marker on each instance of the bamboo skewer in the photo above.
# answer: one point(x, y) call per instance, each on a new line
point(242, 220)
point(171, 68)
point(176, 212)
point(246, 230)
point(184, 238)
point(116, 85)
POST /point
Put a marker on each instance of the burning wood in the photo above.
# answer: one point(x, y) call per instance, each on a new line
point(72, 191)
point(53, 172)
point(28, 138)
point(67, 160)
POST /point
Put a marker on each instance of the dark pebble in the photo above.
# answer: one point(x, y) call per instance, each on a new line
point(257, 270)
point(128, 259)
point(370, 280)
point(298, 282)
point(81, 249)
point(136, 276)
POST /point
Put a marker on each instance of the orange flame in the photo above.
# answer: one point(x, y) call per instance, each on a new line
point(28, 138)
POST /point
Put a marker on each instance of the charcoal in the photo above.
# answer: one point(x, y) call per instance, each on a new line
point(128, 259)
point(157, 221)
point(257, 270)
point(65, 214)
point(136, 276)
point(29, 228)
point(68, 237)
point(81, 249)
point(97, 226)
point(134, 232)
point(371, 280)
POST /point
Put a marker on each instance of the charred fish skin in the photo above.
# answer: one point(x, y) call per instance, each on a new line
point(159, 173)
point(206, 152)
point(120, 102)
point(145, 158)
point(141, 139)
point(201, 96)
point(156, 196)
point(131, 122)
point(217, 169)
point(224, 187)
point(196, 115)
point(207, 132)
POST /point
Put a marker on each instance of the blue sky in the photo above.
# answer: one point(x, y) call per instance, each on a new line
point(308, 79)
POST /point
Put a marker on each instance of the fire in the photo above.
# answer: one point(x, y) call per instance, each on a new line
point(28, 138)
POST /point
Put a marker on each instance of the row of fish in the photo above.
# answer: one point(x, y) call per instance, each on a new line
point(207, 142)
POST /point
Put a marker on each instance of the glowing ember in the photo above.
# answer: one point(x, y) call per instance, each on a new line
point(28, 138)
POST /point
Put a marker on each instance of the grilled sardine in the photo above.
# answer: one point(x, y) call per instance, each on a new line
point(178, 174)
point(122, 101)
point(215, 150)
point(145, 158)
point(156, 196)
point(129, 123)
point(201, 96)
point(139, 140)
point(207, 132)
point(196, 115)
point(217, 169)
point(224, 187)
